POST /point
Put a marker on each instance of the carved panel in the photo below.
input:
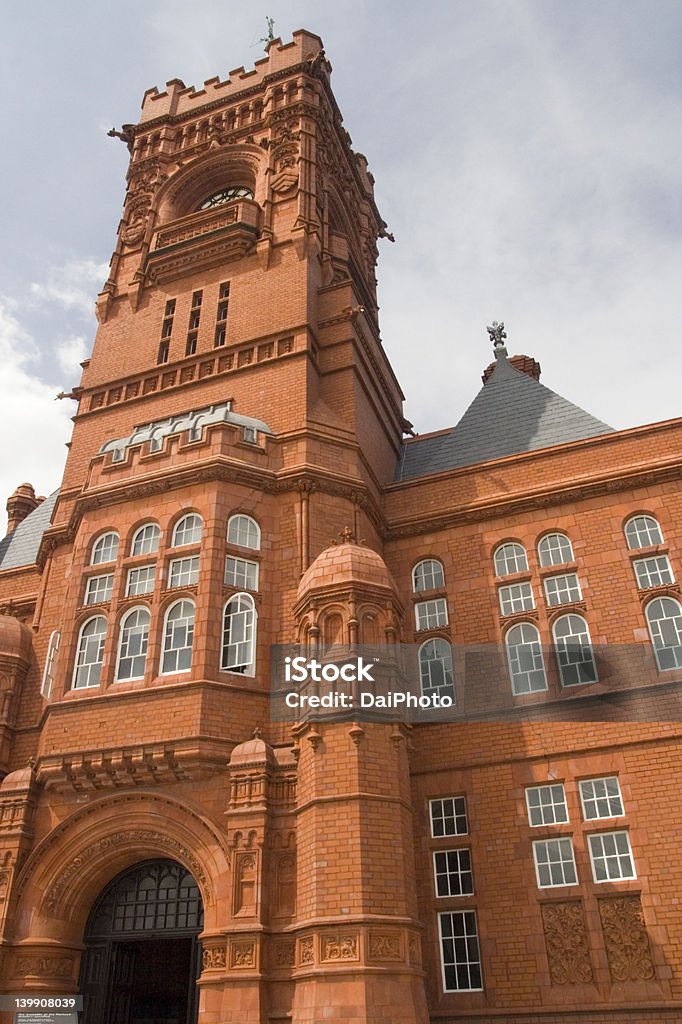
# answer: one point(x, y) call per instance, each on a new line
point(568, 950)
point(306, 951)
point(44, 966)
point(285, 896)
point(246, 872)
point(384, 946)
point(243, 954)
point(284, 953)
point(339, 947)
point(214, 958)
point(626, 940)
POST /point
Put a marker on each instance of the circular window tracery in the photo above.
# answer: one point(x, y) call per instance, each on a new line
point(226, 195)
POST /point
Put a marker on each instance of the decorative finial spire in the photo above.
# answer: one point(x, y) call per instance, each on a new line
point(271, 32)
point(347, 536)
point(497, 334)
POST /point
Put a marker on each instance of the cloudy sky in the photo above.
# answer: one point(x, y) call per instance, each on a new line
point(526, 154)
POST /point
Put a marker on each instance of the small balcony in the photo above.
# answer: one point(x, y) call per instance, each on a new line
point(203, 239)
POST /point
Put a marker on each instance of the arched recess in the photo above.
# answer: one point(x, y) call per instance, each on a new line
point(237, 165)
point(68, 870)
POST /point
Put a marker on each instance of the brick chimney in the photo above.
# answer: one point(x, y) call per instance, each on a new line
point(526, 364)
point(20, 504)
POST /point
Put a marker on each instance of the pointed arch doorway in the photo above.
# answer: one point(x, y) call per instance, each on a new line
point(141, 957)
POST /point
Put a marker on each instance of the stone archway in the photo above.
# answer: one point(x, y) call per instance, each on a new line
point(141, 959)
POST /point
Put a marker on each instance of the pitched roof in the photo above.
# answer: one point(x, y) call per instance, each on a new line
point(512, 413)
point(20, 547)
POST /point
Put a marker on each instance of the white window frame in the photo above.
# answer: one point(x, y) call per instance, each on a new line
point(654, 571)
point(455, 813)
point(516, 597)
point(550, 790)
point(245, 662)
point(552, 547)
point(132, 591)
point(438, 663)
point(146, 540)
point(508, 553)
point(185, 534)
point(598, 837)
point(244, 568)
point(564, 589)
point(449, 865)
point(183, 572)
point(86, 648)
point(515, 659)
point(93, 584)
point(431, 614)
point(243, 531)
point(125, 635)
point(561, 843)
point(574, 651)
point(428, 574)
point(596, 798)
point(642, 527)
point(467, 917)
point(47, 680)
point(658, 638)
point(105, 548)
point(185, 622)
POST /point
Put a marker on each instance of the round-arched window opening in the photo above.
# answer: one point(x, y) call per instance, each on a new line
point(226, 195)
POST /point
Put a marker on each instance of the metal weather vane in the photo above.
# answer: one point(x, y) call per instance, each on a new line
point(497, 334)
point(271, 32)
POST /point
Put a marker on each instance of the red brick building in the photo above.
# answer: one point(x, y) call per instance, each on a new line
point(165, 847)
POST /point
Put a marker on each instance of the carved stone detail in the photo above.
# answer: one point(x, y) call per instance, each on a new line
point(243, 954)
point(214, 958)
point(625, 936)
point(45, 966)
point(568, 950)
point(306, 951)
point(284, 953)
point(339, 947)
point(384, 946)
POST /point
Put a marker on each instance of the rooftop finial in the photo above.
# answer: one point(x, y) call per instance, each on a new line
point(270, 22)
point(497, 335)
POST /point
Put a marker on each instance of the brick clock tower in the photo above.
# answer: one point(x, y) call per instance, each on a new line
point(238, 478)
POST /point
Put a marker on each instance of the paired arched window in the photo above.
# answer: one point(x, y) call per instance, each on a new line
point(436, 673)
point(510, 558)
point(105, 549)
point(146, 540)
point(428, 575)
point(244, 532)
point(574, 652)
point(132, 644)
point(554, 549)
point(664, 618)
point(642, 532)
point(187, 530)
point(524, 656)
point(178, 637)
point(90, 653)
point(239, 635)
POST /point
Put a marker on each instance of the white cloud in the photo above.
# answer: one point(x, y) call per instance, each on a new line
point(33, 427)
point(70, 354)
point(72, 286)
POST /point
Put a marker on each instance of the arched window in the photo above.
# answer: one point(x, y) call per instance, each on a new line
point(555, 549)
point(427, 575)
point(510, 558)
point(664, 618)
point(178, 636)
point(574, 651)
point(226, 195)
point(90, 653)
point(239, 635)
point(524, 655)
point(642, 532)
point(146, 540)
point(244, 532)
point(105, 549)
point(132, 644)
point(436, 673)
point(187, 530)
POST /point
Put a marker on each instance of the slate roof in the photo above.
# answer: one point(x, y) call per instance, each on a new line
point(512, 413)
point(21, 546)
